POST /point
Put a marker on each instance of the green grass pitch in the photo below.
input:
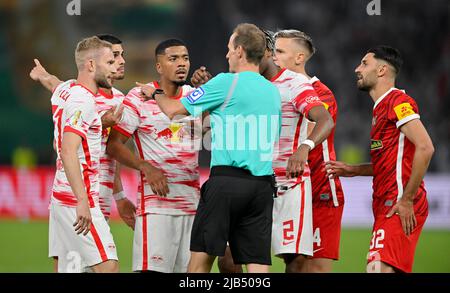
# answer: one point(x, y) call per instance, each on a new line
point(24, 248)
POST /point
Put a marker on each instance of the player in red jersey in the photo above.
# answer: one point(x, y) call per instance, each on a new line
point(401, 150)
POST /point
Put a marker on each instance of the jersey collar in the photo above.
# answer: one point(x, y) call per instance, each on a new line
point(384, 96)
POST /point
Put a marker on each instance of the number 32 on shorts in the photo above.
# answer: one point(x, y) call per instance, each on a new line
point(377, 237)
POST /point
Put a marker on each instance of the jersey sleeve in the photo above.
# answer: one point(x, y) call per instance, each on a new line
point(211, 95)
point(305, 98)
point(80, 115)
point(402, 110)
point(131, 114)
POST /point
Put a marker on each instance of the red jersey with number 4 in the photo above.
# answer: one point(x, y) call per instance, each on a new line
point(325, 191)
point(392, 153)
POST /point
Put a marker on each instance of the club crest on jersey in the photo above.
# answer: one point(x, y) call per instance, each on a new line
point(403, 110)
point(195, 95)
point(375, 144)
point(76, 120)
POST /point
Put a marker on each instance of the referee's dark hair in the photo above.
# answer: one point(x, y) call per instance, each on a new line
point(388, 54)
point(161, 47)
point(110, 38)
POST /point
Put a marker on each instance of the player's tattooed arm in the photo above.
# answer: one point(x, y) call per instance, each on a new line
point(69, 148)
point(337, 168)
point(39, 73)
point(200, 77)
point(117, 149)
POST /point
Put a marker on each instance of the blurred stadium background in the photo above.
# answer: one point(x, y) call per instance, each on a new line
point(342, 31)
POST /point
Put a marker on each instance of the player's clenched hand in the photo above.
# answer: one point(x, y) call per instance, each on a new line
point(83, 221)
point(127, 211)
point(337, 168)
point(296, 163)
point(38, 71)
point(404, 208)
point(200, 76)
point(156, 179)
point(112, 116)
point(146, 91)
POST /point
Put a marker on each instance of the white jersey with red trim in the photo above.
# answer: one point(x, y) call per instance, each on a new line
point(76, 112)
point(105, 102)
point(297, 98)
point(170, 145)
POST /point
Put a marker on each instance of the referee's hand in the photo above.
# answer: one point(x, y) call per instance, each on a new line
point(156, 179)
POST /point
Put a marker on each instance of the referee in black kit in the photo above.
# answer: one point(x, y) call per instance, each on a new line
point(236, 202)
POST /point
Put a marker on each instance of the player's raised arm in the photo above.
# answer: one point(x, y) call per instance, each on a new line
point(38, 73)
point(117, 149)
point(69, 147)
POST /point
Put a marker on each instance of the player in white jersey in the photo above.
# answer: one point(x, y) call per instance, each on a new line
point(79, 228)
point(292, 232)
point(107, 101)
point(167, 156)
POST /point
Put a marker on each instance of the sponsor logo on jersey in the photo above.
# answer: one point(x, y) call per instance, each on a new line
point(195, 95)
point(374, 120)
point(312, 99)
point(376, 144)
point(403, 110)
point(324, 197)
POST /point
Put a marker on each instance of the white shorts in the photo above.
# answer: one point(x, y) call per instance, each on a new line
point(76, 251)
point(292, 230)
point(161, 243)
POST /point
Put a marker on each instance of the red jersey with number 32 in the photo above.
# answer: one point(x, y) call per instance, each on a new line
point(392, 153)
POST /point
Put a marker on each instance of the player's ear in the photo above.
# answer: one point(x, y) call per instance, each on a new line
point(158, 68)
point(91, 65)
point(382, 70)
point(299, 58)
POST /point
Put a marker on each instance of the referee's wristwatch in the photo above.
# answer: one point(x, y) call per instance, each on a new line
point(156, 92)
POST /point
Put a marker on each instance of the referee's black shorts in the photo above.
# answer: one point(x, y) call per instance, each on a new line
point(235, 206)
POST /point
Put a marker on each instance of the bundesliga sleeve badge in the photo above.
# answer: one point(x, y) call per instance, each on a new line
point(76, 120)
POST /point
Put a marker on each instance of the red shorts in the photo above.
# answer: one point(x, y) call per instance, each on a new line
point(327, 231)
point(391, 245)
